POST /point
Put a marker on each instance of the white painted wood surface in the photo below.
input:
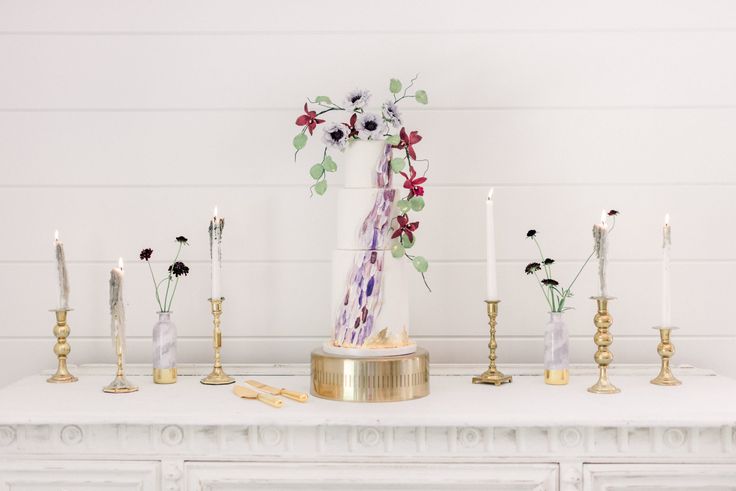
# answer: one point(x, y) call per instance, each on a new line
point(167, 108)
point(520, 436)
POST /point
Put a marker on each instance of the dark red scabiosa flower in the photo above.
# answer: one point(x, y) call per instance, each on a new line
point(550, 282)
point(531, 234)
point(532, 268)
point(405, 227)
point(412, 183)
point(309, 119)
point(548, 261)
point(612, 213)
point(408, 142)
point(182, 240)
point(179, 269)
point(146, 254)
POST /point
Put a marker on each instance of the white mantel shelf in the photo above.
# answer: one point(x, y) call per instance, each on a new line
point(525, 421)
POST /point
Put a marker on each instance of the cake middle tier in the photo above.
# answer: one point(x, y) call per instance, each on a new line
point(364, 217)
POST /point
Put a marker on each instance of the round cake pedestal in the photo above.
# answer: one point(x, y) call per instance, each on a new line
point(378, 379)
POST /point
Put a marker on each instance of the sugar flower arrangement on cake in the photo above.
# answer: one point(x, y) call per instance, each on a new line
point(354, 122)
point(176, 270)
point(555, 294)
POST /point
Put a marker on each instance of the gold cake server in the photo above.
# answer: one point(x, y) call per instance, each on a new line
point(291, 394)
point(248, 393)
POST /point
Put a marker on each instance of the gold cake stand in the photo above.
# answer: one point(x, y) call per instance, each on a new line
point(379, 379)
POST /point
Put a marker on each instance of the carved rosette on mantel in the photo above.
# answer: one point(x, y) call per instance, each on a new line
point(369, 292)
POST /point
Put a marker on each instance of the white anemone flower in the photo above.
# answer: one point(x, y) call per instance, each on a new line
point(370, 126)
point(336, 135)
point(357, 99)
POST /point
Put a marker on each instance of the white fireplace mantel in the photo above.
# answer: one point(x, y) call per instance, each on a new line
point(524, 435)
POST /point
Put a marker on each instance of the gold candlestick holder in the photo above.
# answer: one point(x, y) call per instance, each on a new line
point(492, 375)
point(666, 350)
point(61, 349)
point(218, 375)
point(603, 339)
point(120, 385)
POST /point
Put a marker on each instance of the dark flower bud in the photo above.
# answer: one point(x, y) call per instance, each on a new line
point(612, 213)
point(531, 233)
point(532, 268)
point(182, 240)
point(146, 254)
point(548, 261)
point(550, 282)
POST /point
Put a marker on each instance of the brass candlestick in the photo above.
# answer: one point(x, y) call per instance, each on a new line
point(218, 375)
point(492, 375)
point(120, 385)
point(666, 350)
point(61, 349)
point(603, 339)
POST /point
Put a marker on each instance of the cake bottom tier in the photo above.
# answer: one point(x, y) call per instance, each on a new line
point(370, 304)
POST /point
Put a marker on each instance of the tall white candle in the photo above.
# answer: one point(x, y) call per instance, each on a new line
point(216, 226)
point(666, 280)
point(600, 235)
point(61, 268)
point(491, 280)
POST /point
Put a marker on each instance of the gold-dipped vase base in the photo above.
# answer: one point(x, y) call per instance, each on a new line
point(378, 379)
point(557, 377)
point(164, 375)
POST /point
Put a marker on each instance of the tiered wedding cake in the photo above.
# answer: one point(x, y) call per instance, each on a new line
point(369, 285)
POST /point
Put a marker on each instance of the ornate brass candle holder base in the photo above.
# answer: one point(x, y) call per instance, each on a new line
point(377, 379)
point(61, 349)
point(492, 375)
point(218, 375)
point(666, 350)
point(603, 339)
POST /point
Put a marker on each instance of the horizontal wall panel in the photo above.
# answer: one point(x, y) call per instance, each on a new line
point(280, 300)
point(29, 357)
point(278, 224)
point(415, 15)
point(579, 69)
point(254, 147)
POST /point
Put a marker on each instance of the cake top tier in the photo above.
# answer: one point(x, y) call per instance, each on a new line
point(366, 164)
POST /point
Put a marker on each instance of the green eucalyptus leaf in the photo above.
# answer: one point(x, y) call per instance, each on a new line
point(394, 86)
point(300, 141)
point(408, 244)
point(421, 97)
point(322, 99)
point(329, 164)
point(316, 171)
point(397, 164)
point(403, 205)
point(393, 140)
point(397, 250)
point(417, 203)
point(420, 264)
point(320, 187)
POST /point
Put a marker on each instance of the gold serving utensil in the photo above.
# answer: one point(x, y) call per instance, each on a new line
point(248, 393)
point(291, 394)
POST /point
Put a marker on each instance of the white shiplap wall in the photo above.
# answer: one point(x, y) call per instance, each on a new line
point(123, 123)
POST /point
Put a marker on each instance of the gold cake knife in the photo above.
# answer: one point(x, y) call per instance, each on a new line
point(248, 393)
point(291, 394)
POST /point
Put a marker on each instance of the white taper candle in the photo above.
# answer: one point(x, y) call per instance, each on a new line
point(666, 279)
point(491, 276)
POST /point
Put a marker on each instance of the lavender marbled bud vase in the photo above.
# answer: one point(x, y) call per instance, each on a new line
point(556, 350)
point(164, 350)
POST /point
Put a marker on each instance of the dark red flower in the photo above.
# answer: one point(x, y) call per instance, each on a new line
point(146, 254)
point(309, 119)
point(613, 213)
point(413, 182)
point(408, 142)
point(405, 227)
